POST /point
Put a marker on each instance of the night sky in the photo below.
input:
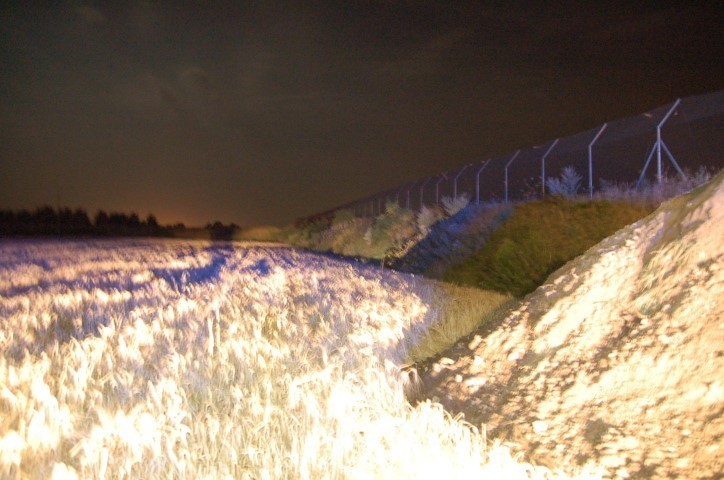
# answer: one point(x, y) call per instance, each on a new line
point(261, 112)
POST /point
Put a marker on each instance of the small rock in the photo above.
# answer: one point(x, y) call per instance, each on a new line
point(476, 381)
point(613, 461)
point(475, 342)
point(458, 378)
point(682, 463)
point(539, 426)
point(628, 443)
point(622, 473)
point(447, 361)
point(715, 394)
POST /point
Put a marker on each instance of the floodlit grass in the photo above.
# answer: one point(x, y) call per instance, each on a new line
point(462, 310)
point(540, 237)
point(177, 359)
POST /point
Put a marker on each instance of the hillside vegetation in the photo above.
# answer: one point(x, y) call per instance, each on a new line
point(506, 247)
point(538, 238)
point(616, 360)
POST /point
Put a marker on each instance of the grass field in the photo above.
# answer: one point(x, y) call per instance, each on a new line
point(181, 359)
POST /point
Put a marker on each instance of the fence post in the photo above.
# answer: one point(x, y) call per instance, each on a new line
point(455, 182)
point(590, 161)
point(422, 189)
point(408, 193)
point(657, 148)
point(506, 173)
point(477, 182)
point(543, 166)
point(437, 188)
point(659, 176)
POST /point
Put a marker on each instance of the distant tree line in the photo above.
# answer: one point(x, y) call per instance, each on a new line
point(46, 221)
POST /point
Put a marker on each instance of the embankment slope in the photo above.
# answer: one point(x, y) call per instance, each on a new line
point(617, 359)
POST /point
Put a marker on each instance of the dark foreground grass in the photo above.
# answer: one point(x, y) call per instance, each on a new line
point(539, 238)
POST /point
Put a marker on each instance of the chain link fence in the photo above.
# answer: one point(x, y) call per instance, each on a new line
point(672, 140)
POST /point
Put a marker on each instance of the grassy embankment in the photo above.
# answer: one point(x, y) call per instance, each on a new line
point(502, 251)
point(536, 239)
point(539, 238)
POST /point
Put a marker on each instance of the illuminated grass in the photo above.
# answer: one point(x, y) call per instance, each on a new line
point(462, 310)
point(151, 359)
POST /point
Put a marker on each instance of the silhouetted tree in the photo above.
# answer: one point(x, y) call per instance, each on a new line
point(101, 223)
point(101, 219)
point(219, 231)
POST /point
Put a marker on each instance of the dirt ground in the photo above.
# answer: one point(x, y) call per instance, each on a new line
point(617, 360)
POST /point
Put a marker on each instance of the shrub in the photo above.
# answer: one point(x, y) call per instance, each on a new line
point(454, 205)
point(392, 230)
point(567, 185)
point(427, 217)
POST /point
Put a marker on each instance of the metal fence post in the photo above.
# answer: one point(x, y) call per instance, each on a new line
point(590, 160)
point(506, 173)
point(408, 193)
point(658, 145)
point(659, 176)
point(477, 182)
point(422, 190)
point(437, 188)
point(455, 182)
point(543, 166)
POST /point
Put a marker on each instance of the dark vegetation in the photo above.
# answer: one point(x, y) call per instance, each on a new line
point(538, 238)
point(46, 221)
point(452, 239)
point(219, 231)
